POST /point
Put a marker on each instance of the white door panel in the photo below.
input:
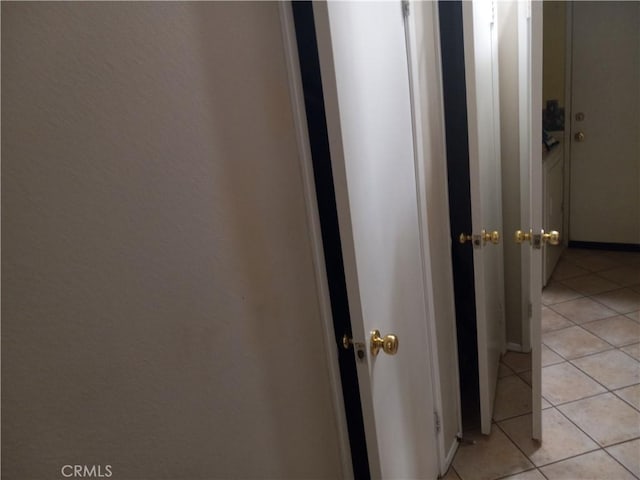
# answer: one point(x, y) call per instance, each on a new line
point(530, 81)
point(366, 86)
point(481, 69)
point(605, 166)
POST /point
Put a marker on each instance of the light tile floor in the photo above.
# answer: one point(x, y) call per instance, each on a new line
point(590, 382)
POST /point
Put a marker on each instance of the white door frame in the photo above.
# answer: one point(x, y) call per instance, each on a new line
point(433, 128)
point(315, 234)
point(535, 180)
point(530, 110)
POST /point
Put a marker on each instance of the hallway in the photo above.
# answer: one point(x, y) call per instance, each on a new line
point(590, 382)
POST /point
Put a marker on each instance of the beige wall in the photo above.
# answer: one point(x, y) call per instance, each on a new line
point(510, 151)
point(159, 308)
point(554, 32)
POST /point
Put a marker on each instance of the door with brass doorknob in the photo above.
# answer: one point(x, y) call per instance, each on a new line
point(551, 238)
point(475, 202)
point(388, 343)
point(380, 234)
point(484, 238)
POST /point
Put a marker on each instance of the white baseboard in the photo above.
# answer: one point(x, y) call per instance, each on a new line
point(449, 457)
point(514, 347)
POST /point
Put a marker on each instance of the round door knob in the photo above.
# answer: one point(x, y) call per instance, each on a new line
point(552, 237)
point(521, 236)
point(465, 238)
point(388, 343)
point(493, 237)
point(579, 137)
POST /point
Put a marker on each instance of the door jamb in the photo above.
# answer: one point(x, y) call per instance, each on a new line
point(568, 124)
point(445, 455)
point(313, 222)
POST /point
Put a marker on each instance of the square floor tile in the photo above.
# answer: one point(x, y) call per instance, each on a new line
point(625, 258)
point(556, 292)
point(526, 377)
point(560, 438)
point(504, 371)
point(583, 310)
point(553, 321)
point(628, 454)
point(549, 357)
point(516, 361)
point(528, 475)
point(574, 253)
point(633, 350)
point(492, 456)
point(625, 275)
point(513, 397)
point(618, 331)
point(566, 269)
point(590, 284)
point(623, 300)
point(574, 342)
point(596, 262)
point(605, 418)
point(631, 395)
point(590, 466)
point(613, 369)
point(563, 383)
point(451, 475)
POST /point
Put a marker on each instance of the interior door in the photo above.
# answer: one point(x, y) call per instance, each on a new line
point(605, 123)
point(481, 69)
point(530, 85)
point(365, 79)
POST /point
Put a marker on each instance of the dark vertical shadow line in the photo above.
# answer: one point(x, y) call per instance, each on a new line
point(458, 177)
point(325, 192)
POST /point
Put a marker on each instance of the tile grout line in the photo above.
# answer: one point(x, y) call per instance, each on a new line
point(570, 362)
point(607, 389)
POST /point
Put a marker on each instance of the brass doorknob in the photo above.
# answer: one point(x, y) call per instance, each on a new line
point(579, 137)
point(552, 237)
point(521, 236)
point(388, 343)
point(465, 238)
point(493, 237)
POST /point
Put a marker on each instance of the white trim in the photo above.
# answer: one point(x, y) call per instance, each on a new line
point(568, 122)
point(423, 227)
point(524, 22)
point(313, 221)
point(515, 347)
point(445, 456)
point(453, 448)
point(536, 214)
point(447, 226)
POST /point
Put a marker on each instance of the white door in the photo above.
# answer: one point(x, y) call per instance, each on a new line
point(605, 161)
point(481, 69)
point(365, 79)
point(530, 82)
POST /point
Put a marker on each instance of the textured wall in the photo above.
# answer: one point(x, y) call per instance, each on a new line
point(510, 148)
point(554, 24)
point(159, 310)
